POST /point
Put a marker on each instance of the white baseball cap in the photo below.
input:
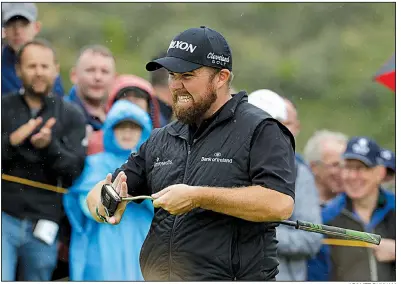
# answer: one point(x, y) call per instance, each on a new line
point(270, 102)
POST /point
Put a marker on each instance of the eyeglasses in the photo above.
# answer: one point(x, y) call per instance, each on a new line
point(335, 165)
point(357, 169)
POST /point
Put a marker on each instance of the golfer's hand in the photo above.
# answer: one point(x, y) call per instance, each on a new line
point(120, 186)
point(177, 199)
point(385, 252)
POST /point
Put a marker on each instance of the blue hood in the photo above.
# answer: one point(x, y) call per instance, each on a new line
point(90, 250)
point(123, 110)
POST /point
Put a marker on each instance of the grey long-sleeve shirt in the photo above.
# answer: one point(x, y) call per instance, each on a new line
point(296, 246)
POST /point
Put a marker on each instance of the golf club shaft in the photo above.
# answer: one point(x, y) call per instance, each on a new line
point(132, 198)
point(334, 231)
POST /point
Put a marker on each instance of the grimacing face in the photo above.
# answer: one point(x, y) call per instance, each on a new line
point(193, 93)
point(38, 70)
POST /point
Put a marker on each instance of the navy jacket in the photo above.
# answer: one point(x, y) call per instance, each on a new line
point(10, 83)
point(74, 99)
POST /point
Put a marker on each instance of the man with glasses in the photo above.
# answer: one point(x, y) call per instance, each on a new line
point(364, 206)
point(323, 154)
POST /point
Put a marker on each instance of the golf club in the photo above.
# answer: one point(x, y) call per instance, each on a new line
point(334, 231)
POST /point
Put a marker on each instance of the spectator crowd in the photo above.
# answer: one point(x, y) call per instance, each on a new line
point(57, 144)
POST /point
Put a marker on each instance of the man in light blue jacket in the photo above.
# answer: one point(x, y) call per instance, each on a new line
point(295, 247)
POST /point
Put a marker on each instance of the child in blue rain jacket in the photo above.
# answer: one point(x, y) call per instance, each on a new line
point(102, 252)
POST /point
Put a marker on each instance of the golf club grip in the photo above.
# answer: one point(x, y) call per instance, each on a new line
point(335, 231)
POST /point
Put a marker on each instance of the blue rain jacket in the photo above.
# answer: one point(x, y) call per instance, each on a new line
point(103, 252)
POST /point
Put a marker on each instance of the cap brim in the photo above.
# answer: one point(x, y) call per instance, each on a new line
point(172, 64)
point(18, 13)
point(363, 159)
point(126, 120)
point(389, 166)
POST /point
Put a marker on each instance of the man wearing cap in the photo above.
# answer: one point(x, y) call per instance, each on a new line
point(220, 176)
point(388, 157)
point(364, 206)
point(19, 21)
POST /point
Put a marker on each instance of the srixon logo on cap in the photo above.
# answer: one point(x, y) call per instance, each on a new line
point(182, 45)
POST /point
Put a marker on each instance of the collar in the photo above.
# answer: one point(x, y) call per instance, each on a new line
point(46, 100)
point(9, 55)
point(381, 202)
point(385, 203)
point(73, 97)
point(227, 111)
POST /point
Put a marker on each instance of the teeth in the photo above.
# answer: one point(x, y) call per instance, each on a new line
point(184, 99)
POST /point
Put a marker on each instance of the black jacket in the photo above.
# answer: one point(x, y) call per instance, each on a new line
point(58, 164)
point(240, 146)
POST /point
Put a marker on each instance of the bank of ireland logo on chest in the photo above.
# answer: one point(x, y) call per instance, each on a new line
point(216, 158)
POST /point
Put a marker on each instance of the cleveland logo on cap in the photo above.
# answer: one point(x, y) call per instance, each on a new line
point(182, 45)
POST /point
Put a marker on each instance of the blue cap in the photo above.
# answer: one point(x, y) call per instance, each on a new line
point(365, 150)
point(194, 48)
point(388, 157)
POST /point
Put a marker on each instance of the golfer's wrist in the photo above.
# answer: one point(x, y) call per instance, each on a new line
point(198, 195)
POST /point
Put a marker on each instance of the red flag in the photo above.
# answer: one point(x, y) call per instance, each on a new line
point(386, 75)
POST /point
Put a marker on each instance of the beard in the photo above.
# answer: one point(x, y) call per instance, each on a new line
point(195, 112)
point(30, 89)
point(29, 85)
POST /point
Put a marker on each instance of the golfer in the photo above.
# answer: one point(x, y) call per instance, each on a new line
point(220, 175)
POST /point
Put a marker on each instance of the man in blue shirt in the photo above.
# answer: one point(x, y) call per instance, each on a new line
point(20, 25)
point(364, 206)
point(388, 157)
